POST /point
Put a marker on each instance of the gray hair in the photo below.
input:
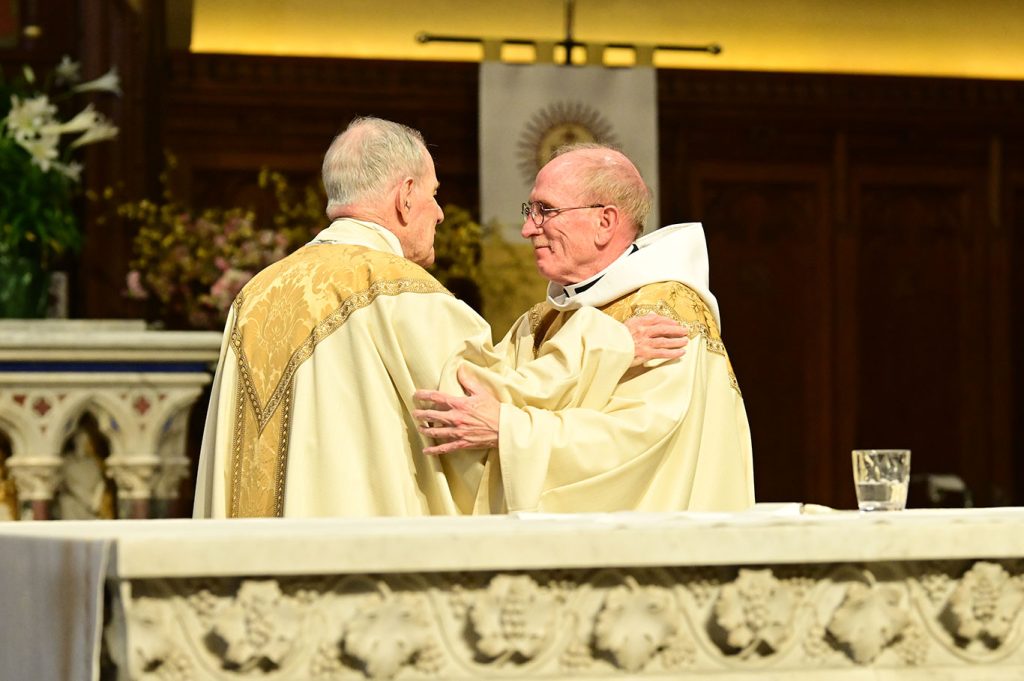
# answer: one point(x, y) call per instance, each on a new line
point(370, 156)
point(612, 179)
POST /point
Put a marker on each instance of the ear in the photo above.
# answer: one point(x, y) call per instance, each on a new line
point(608, 227)
point(403, 199)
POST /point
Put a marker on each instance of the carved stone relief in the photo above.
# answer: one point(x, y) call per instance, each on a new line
point(985, 606)
point(582, 623)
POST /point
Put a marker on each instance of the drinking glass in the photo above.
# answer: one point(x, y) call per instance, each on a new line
point(881, 477)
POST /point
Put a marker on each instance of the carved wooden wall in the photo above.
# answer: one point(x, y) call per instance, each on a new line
point(861, 235)
point(864, 234)
point(862, 258)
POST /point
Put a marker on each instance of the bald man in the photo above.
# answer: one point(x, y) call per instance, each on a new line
point(667, 436)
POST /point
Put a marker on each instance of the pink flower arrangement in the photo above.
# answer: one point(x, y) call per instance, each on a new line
point(192, 266)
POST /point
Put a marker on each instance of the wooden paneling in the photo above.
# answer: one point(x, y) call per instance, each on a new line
point(905, 290)
point(862, 231)
point(921, 380)
point(234, 115)
point(1010, 375)
point(766, 228)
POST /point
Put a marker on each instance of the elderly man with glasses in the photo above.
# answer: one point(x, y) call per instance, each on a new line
point(671, 435)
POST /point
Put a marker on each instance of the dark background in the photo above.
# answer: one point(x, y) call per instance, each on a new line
point(863, 230)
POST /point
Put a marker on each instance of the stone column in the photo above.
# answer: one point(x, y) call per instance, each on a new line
point(168, 486)
point(35, 481)
point(136, 479)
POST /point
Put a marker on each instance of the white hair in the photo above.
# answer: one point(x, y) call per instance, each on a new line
point(368, 158)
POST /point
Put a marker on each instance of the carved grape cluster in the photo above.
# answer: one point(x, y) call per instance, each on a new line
point(326, 662)
point(755, 612)
point(679, 652)
point(703, 584)
point(259, 628)
point(204, 604)
point(815, 644)
point(913, 646)
point(936, 585)
point(985, 604)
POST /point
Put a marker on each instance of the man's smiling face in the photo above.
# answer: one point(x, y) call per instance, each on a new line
point(564, 245)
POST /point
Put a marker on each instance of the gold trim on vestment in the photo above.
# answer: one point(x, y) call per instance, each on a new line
point(663, 299)
point(253, 463)
point(712, 341)
point(238, 431)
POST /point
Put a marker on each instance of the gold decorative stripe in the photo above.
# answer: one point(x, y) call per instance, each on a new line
point(329, 325)
point(535, 316)
point(282, 394)
point(282, 454)
point(734, 383)
point(714, 345)
point(661, 307)
point(236, 446)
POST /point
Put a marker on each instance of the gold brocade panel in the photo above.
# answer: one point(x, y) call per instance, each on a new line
point(280, 318)
point(669, 299)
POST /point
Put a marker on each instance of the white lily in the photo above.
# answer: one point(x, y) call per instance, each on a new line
point(68, 71)
point(85, 119)
point(28, 116)
point(101, 131)
point(43, 150)
point(108, 82)
point(30, 75)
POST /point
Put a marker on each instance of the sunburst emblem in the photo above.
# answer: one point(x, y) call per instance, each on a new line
point(556, 125)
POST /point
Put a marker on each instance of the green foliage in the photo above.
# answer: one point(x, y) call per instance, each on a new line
point(457, 246)
point(36, 215)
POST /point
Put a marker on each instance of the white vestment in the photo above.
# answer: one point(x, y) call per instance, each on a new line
point(670, 436)
point(310, 406)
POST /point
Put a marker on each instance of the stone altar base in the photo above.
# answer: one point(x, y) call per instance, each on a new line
point(768, 594)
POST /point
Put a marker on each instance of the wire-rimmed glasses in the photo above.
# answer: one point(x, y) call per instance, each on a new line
point(537, 212)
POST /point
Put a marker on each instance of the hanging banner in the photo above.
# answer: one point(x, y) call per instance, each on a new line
point(528, 111)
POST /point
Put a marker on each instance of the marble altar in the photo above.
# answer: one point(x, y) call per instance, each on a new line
point(778, 592)
point(137, 384)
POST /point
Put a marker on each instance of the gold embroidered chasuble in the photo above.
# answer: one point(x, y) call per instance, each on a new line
point(310, 411)
point(670, 436)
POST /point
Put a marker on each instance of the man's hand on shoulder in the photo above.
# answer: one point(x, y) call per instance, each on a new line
point(657, 337)
point(467, 421)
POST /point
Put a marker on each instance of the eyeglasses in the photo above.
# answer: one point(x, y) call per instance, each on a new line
point(538, 213)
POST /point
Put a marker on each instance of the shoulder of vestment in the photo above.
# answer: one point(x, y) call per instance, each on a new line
point(669, 299)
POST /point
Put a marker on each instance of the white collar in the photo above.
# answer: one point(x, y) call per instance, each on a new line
point(673, 253)
point(354, 232)
point(581, 286)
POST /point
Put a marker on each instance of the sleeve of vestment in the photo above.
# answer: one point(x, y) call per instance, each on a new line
point(665, 433)
point(214, 467)
point(585, 360)
point(422, 337)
